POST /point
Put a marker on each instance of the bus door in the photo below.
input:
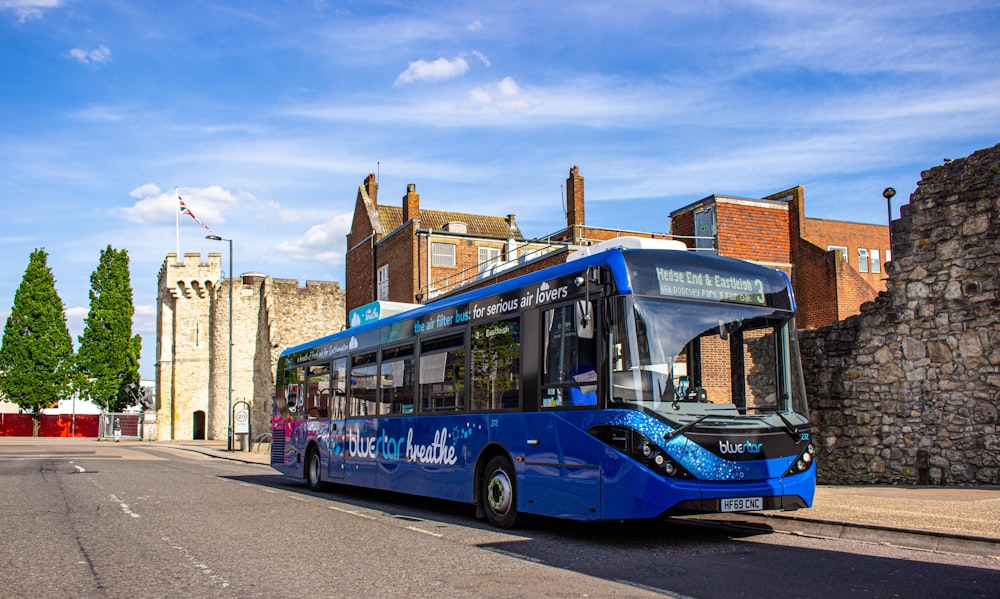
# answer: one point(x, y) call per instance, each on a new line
point(338, 417)
point(562, 460)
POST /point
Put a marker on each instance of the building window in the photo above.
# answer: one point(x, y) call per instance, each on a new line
point(488, 257)
point(876, 264)
point(862, 260)
point(888, 255)
point(443, 254)
point(841, 251)
point(383, 282)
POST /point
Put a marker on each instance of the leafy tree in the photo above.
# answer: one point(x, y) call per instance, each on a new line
point(107, 361)
point(36, 357)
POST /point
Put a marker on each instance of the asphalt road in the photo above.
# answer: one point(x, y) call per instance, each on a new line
point(109, 520)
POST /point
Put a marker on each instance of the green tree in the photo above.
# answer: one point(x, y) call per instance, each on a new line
point(36, 358)
point(107, 361)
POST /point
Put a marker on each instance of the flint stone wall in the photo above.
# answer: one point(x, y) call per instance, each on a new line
point(908, 391)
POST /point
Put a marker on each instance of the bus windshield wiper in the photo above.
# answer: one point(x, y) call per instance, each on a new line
point(789, 428)
point(685, 428)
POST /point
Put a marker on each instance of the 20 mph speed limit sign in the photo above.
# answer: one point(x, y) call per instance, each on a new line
point(241, 421)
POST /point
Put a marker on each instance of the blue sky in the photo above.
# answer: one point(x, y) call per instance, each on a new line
point(267, 115)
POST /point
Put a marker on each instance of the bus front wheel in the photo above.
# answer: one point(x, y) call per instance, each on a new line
point(314, 469)
point(499, 490)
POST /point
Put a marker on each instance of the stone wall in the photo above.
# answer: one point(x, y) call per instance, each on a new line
point(192, 342)
point(908, 391)
point(269, 315)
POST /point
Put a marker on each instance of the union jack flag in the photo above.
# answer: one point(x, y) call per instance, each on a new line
point(186, 210)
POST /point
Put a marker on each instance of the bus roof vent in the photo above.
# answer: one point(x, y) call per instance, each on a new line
point(629, 243)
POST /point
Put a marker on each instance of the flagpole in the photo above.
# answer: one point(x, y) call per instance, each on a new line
point(177, 228)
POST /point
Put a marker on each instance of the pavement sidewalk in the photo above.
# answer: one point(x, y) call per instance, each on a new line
point(950, 519)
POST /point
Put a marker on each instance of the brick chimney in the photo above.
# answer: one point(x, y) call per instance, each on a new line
point(411, 203)
point(371, 188)
point(574, 200)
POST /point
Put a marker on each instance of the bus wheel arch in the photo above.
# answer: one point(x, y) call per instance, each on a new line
point(496, 488)
point(313, 468)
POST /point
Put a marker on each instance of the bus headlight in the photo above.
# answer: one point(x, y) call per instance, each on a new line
point(802, 462)
point(636, 446)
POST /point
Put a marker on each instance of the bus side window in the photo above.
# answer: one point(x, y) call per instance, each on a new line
point(288, 397)
point(569, 376)
point(397, 380)
point(338, 387)
point(496, 365)
point(442, 374)
point(318, 391)
point(364, 375)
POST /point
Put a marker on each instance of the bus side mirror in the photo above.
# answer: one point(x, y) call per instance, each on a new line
point(584, 320)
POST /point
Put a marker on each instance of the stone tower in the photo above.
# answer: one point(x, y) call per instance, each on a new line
point(183, 305)
point(192, 342)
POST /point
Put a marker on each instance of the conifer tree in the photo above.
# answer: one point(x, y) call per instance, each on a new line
point(107, 363)
point(36, 357)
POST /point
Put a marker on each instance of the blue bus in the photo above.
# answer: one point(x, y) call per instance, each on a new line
point(629, 382)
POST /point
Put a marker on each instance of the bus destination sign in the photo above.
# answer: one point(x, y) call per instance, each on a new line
point(714, 286)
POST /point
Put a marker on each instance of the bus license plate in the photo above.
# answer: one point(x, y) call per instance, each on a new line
point(742, 504)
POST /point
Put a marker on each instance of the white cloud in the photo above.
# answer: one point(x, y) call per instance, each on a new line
point(474, 26)
point(321, 243)
point(29, 9)
point(98, 55)
point(160, 207)
point(482, 57)
point(505, 96)
point(436, 70)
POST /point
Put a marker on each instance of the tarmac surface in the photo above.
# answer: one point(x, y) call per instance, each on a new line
point(964, 520)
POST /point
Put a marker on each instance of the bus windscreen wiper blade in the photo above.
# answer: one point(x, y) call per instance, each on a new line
point(789, 428)
point(685, 428)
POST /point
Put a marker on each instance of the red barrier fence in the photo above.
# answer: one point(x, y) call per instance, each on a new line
point(55, 425)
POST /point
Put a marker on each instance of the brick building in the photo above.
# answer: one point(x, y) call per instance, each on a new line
point(835, 266)
point(410, 254)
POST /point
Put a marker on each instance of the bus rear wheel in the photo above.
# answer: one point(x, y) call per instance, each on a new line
point(499, 493)
point(314, 470)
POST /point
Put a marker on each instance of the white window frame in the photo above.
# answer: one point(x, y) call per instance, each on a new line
point(876, 262)
point(840, 249)
point(443, 254)
point(862, 260)
point(488, 256)
point(383, 282)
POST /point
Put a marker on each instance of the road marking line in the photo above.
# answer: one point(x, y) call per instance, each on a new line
point(216, 578)
point(352, 512)
point(426, 532)
point(125, 507)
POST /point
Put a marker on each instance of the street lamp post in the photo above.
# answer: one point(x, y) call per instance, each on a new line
point(887, 193)
point(229, 387)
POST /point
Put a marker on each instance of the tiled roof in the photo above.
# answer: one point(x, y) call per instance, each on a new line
point(477, 224)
